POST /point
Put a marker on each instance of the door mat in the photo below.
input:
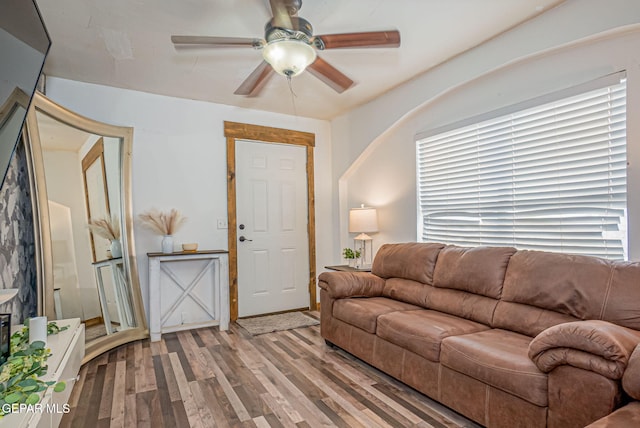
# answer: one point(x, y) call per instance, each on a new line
point(279, 322)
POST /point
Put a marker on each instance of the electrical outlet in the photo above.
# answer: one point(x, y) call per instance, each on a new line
point(183, 317)
point(222, 223)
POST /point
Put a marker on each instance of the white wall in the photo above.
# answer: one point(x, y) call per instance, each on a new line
point(552, 52)
point(179, 160)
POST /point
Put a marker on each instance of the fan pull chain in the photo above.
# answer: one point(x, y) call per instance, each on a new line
point(293, 95)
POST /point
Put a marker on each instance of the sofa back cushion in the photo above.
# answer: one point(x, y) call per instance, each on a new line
point(569, 284)
point(542, 289)
point(463, 304)
point(406, 290)
point(478, 270)
point(621, 302)
point(526, 319)
point(414, 261)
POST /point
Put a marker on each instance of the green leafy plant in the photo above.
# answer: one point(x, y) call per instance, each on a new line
point(348, 253)
point(19, 375)
point(19, 339)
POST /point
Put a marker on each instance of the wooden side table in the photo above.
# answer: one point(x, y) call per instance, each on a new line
point(188, 290)
point(347, 268)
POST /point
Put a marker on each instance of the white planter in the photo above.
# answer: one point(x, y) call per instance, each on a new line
point(116, 248)
point(167, 244)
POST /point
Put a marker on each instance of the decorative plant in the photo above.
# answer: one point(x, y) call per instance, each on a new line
point(20, 338)
point(162, 223)
point(19, 375)
point(106, 228)
point(348, 253)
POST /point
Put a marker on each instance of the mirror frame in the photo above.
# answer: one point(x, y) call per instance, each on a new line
point(44, 253)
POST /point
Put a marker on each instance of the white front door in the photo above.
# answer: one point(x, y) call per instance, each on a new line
point(272, 218)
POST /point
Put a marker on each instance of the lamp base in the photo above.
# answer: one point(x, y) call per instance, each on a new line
point(361, 242)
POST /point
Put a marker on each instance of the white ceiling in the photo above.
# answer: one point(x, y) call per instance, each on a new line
point(126, 44)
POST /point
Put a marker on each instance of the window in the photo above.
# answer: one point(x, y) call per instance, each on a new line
point(550, 177)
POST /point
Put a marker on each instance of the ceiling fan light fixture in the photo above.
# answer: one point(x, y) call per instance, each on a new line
point(289, 57)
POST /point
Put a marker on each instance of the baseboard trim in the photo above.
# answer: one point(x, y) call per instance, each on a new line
point(93, 321)
point(276, 313)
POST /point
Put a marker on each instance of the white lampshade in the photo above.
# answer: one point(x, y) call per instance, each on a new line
point(363, 220)
point(289, 57)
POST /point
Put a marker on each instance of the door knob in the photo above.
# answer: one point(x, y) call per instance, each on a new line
point(242, 239)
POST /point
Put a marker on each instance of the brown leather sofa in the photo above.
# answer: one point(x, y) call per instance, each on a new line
point(507, 338)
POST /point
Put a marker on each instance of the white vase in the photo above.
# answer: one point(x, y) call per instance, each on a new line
point(116, 248)
point(167, 244)
point(38, 330)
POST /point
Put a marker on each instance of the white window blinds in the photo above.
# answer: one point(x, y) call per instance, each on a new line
point(551, 177)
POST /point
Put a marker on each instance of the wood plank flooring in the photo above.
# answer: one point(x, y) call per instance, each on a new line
point(208, 378)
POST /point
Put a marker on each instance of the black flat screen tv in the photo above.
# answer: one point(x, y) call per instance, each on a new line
point(24, 45)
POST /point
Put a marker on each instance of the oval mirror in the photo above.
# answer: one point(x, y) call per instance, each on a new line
point(87, 267)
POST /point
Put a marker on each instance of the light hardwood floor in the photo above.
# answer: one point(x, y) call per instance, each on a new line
point(207, 378)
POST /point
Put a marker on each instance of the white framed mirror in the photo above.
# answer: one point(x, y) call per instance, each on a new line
point(81, 172)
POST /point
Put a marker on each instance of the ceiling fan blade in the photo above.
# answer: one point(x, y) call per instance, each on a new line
point(371, 39)
point(256, 80)
point(330, 75)
point(280, 12)
point(215, 42)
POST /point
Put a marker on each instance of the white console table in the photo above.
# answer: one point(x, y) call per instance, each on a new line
point(67, 352)
point(188, 290)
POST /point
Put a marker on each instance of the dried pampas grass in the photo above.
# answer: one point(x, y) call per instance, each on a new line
point(162, 223)
point(107, 228)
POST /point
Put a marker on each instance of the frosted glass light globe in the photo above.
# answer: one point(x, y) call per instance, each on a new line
point(289, 57)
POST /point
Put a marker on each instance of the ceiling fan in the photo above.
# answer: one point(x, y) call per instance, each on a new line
point(289, 47)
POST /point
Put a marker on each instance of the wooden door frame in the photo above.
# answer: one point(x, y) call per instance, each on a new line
point(241, 131)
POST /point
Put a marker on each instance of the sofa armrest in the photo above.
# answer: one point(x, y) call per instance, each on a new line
point(594, 345)
point(351, 284)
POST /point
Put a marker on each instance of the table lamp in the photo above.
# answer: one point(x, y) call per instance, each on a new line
point(363, 220)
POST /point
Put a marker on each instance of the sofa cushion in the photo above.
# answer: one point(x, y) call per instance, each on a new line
point(626, 416)
point(422, 331)
point(621, 305)
point(498, 358)
point(462, 304)
point(478, 270)
point(415, 261)
point(406, 290)
point(570, 284)
point(526, 319)
point(364, 312)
